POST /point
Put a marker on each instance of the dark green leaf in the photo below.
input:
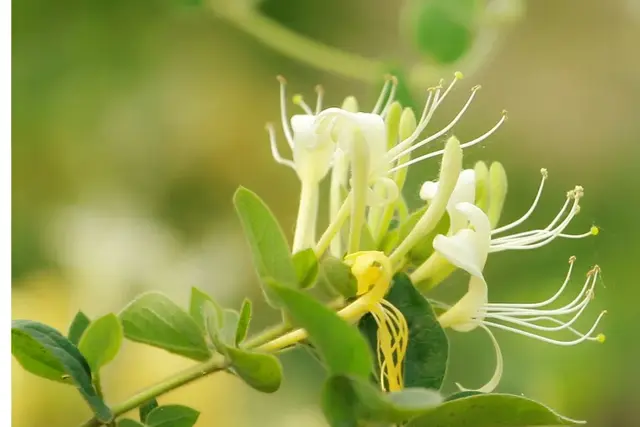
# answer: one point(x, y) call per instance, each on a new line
point(259, 370)
point(77, 327)
point(243, 322)
point(198, 298)
point(443, 29)
point(45, 352)
point(172, 416)
point(342, 347)
point(306, 264)
point(338, 276)
point(491, 410)
point(425, 362)
point(128, 422)
point(154, 319)
point(269, 247)
point(101, 341)
point(346, 400)
point(147, 407)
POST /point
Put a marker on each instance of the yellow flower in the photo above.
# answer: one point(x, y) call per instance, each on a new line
point(374, 272)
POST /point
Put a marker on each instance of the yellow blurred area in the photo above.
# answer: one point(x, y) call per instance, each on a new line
point(133, 123)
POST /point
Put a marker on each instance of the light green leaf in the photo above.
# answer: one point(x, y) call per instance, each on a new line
point(243, 322)
point(128, 422)
point(491, 410)
point(101, 341)
point(172, 416)
point(342, 347)
point(45, 352)
point(346, 401)
point(229, 327)
point(443, 30)
point(198, 298)
point(338, 276)
point(77, 327)
point(425, 362)
point(306, 264)
point(154, 319)
point(261, 371)
point(146, 408)
point(269, 247)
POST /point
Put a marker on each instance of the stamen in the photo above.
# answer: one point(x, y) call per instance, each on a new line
point(465, 145)
point(425, 118)
point(572, 261)
point(443, 130)
point(299, 101)
point(585, 337)
point(320, 96)
point(587, 289)
point(532, 232)
point(283, 111)
point(383, 95)
point(570, 329)
point(524, 217)
point(593, 231)
point(274, 148)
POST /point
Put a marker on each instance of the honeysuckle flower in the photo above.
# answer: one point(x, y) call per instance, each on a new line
point(464, 191)
point(528, 319)
point(468, 249)
point(312, 154)
point(373, 271)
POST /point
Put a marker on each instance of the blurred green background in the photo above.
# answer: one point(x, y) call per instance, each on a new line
point(134, 122)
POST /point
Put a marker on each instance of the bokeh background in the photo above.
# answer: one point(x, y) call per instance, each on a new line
point(134, 122)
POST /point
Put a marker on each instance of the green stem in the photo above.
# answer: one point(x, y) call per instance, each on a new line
point(303, 49)
point(215, 364)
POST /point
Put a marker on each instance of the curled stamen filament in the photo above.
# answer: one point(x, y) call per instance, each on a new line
point(392, 340)
point(529, 212)
point(283, 111)
point(465, 145)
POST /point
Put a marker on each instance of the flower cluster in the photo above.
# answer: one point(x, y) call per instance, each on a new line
point(365, 155)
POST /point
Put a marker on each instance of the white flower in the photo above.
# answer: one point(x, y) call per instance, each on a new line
point(465, 191)
point(468, 249)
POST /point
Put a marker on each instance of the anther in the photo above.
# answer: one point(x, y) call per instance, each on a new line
point(458, 75)
point(595, 230)
point(281, 79)
point(544, 173)
point(572, 259)
point(476, 88)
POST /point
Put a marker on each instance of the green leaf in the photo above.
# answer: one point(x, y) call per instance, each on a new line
point(269, 247)
point(77, 327)
point(342, 347)
point(491, 410)
point(101, 341)
point(243, 322)
point(338, 276)
point(154, 319)
point(461, 394)
point(128, 422)
point(261, 371)
point(147, 407)
point(443, 29)
point(172, 416)
point(45, 352)
point(425, 362)
point(306, 264)
point(229, 327)
point(198, 298)
point(346, 401)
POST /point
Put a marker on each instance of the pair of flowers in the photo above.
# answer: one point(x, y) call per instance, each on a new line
point(367, 155)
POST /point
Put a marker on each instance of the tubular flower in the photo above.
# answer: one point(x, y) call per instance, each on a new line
point(468, 249)
point(373, 271)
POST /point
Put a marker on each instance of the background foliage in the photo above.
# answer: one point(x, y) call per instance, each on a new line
point(134, 122)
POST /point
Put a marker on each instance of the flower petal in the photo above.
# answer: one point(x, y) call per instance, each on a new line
point(312, 151)
point(461, 251)
point(466, 314)
point(497, 374)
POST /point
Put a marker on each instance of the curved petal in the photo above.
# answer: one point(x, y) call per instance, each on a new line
point(312, 151)
point(428, 190)
point(497, 374)
point(466, 314)
point(461, 251)
point(464, 191)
